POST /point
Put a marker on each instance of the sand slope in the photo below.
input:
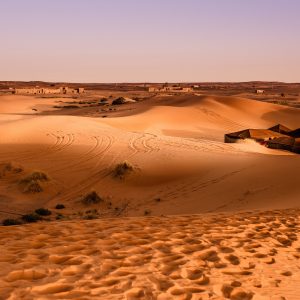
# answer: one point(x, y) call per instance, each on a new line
point(176, 148)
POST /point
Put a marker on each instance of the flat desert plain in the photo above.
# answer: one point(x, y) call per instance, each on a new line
point(155, 204)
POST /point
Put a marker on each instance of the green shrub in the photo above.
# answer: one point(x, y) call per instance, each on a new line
point(43, 212)
point(10, 222)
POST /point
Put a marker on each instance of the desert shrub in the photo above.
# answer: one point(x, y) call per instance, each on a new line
point(33, 186)
point(90, 217)
point(122, 169)
point(59, 206)
point(31, 218)
point(36, 175)
point(10, 222)
point(157, 199)
point(10, 168)
point(91, 198)
point(103, 100)
point(43, 212)
point(118, 101)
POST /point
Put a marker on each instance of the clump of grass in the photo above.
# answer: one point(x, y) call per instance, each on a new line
point(91, 198)
point(33, 186)
point(11, 222)
point(122, 169)
point(34, 176)
point(59, 206)
point(31, 218)
point(43, 212)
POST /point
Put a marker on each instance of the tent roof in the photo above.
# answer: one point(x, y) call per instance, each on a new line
point(280, 128)
point(259, 134)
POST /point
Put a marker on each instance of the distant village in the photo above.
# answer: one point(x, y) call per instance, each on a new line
point(42, 91)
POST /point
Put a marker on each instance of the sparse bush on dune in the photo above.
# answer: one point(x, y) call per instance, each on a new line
point(9, 167)
point(31, 218)
point(43, 212)
point(122, 169)
point(33, 181)
point(36, 175)
point(59, 206)
point(91, 198)
point(118, 101)
point(33, 186)
point(10, 222)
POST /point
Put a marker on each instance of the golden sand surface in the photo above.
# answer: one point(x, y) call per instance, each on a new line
point(250, 255)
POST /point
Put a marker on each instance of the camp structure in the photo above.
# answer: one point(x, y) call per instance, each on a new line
point(259, 135)
point(283, 143)
point(276, 137)
point(295, 133)
point(281, 129)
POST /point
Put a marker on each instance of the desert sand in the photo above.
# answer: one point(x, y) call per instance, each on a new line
point(251, 255)
point(245, 246)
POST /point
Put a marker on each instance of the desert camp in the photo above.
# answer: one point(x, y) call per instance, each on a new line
point(277, 137)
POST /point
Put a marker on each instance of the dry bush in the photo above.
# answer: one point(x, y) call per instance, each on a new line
point(33, 186)
point(91, 198)
point(9, 168)
point(122, 169)
point(59, 206)
point(34, 176)
point(43, 212)
point(10, 222)
point(31, 218)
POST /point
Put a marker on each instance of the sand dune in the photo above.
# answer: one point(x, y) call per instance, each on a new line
point(253, 255)
point(176, 149)
point(179, 167)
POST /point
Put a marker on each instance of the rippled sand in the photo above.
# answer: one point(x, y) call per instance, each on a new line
point(251, 255)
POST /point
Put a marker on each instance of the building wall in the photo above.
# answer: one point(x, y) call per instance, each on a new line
point(36, 91)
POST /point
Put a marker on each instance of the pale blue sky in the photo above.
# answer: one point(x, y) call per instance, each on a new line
point(150, 40)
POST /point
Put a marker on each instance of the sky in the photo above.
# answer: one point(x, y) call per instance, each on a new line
point(150, 40)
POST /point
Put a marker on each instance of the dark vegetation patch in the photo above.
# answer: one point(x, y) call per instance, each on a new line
point(59, 206)
point(33, 187)
point(91, 198)
point(31, 218)
point(11, 222)
point(122, 169)
point(36, 175)
point(43, 212)
point(119, 101)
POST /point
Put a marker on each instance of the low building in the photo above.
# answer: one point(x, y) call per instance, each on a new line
point(260, 91)
point(170, 89)
point(43, 91)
